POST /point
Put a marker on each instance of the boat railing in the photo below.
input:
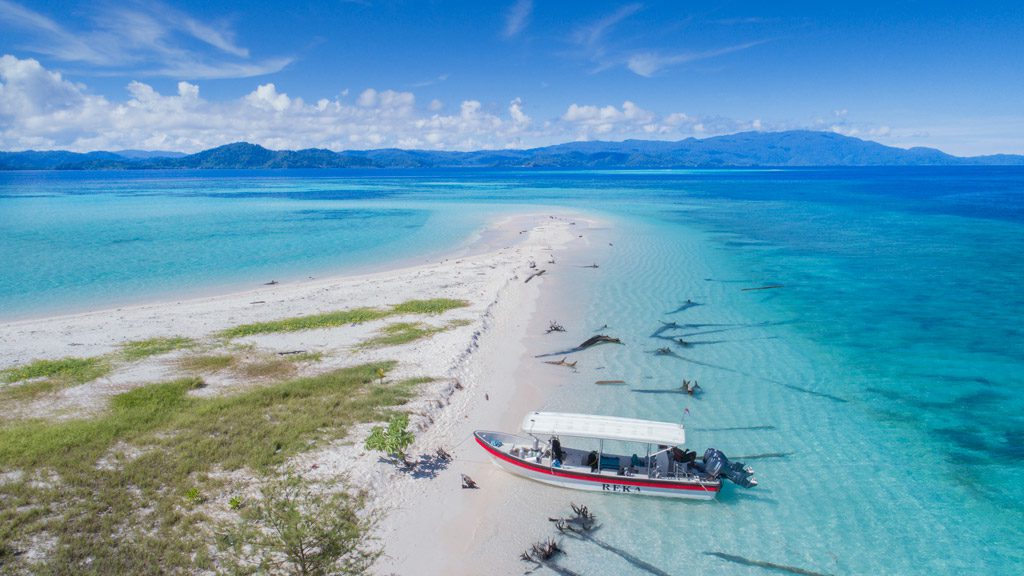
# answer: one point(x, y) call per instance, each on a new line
point(680, 470)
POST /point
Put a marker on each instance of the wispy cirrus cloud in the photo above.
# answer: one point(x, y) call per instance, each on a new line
point(592, 38)
point(518, 17)
point(594, 42)
point(648, 64)
point(593, 34)
point(148, 39)
point(435, 80)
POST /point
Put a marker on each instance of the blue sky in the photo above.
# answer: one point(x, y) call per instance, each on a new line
point(461, 75)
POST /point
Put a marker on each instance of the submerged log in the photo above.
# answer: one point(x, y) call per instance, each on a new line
point(592, 341)
point(610, 382)
point(769, 287)
point(664, 326)
point(599, 339)
point(766, 455)
point(763, 564)
point(685, 306)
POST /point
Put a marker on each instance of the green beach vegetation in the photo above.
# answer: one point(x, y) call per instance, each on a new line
point(207, 363)
point(432, 306)
point(392, 440)
point(337, 318)
point(271, 367)
point(299, 528)
point(128, 491)
point(405, 332)
point(248, 363)
point(44, 376)
point(139, 349)
point(311, 357)
point(72, 370)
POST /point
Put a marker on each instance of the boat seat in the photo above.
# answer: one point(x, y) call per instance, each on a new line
point(610, 462)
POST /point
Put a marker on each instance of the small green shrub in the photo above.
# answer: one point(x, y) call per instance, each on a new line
point(392, 440)
point(235, 503)
point(193, 496)
point(296, 529)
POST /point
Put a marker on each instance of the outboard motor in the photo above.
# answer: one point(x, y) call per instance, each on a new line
point(716, 464)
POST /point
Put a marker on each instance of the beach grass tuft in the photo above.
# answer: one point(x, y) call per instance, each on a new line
point(46, 376)
point(306, 357)
point(431, 306)
point(207, 363)
point(130, 517)
point(139, 349)
point(400, 333)
point(404, 332)
point(275, 368)
point(342, 317)
point(73, 370)
point(315, 321)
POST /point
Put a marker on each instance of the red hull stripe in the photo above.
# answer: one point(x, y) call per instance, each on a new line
point(602, 480)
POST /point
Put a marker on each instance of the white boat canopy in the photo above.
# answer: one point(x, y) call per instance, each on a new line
point(606, 427)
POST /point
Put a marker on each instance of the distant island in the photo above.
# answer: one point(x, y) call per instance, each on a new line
point(746, 149)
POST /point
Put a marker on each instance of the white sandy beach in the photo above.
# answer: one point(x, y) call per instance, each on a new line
point(430, 525)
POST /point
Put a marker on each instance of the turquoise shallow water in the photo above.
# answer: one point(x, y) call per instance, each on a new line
point(71, 241)
point(879, 391)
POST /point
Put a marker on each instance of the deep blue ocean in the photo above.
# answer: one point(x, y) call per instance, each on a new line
point(879, 390)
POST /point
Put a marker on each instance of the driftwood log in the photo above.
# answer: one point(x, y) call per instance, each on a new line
point(562, 362)
point(534, 275)
point(593, 340)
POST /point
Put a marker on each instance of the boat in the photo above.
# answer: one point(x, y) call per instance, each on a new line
point(568, 450)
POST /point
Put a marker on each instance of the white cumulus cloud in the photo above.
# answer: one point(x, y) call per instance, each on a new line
point(267, 97)
point(42, 109)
